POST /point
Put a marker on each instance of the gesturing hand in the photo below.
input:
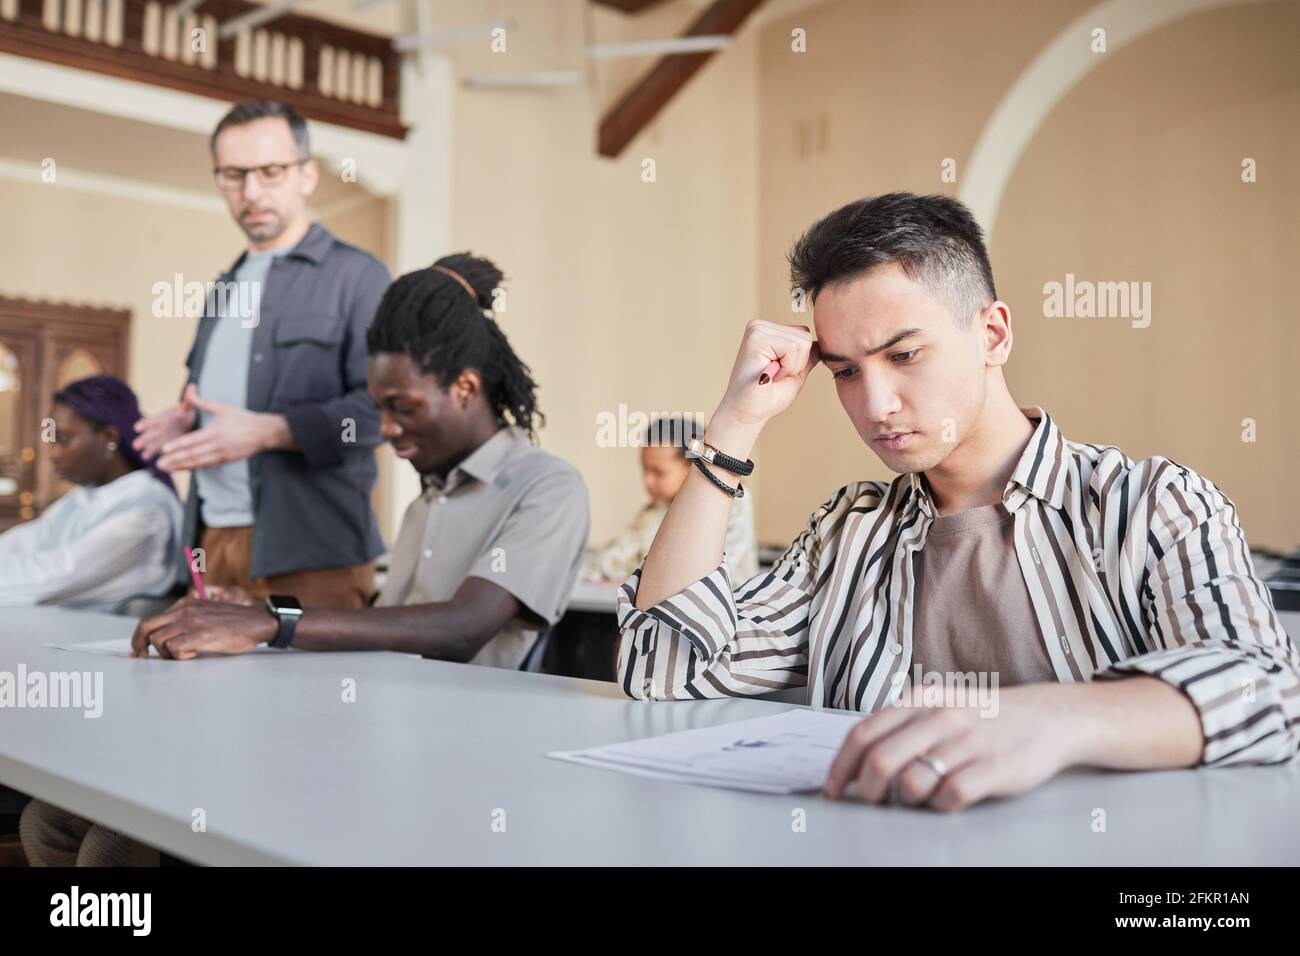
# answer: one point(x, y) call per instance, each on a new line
point(154, 431)
point(233, 434)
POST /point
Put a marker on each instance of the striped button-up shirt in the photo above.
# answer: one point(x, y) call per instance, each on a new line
point(1132, 568)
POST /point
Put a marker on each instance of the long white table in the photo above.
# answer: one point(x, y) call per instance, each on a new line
point(418, 768)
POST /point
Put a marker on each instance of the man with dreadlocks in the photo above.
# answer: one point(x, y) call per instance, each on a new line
point(487, 555)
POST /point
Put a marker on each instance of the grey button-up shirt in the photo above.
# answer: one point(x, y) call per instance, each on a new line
point(311, 508)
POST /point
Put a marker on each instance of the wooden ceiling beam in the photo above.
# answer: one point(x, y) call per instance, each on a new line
point(630, 6)
point(642, 103)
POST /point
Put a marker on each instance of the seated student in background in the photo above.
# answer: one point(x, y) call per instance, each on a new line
point(117, 534)
point(1118, 596)
point(487, 555)
point(664, 467)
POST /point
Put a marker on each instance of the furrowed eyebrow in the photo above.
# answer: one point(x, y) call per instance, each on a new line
point(894, 340)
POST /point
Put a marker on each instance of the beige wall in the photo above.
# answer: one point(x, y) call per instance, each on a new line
point(1135, 176)
point(620, 291)
point(1149, 187)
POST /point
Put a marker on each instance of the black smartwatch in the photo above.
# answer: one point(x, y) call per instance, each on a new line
point(287, 610)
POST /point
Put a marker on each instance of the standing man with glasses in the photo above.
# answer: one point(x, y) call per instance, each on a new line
point(283, 453)
point(275, 422)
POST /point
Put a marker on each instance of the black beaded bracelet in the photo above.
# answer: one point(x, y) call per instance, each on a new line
point(736, 492)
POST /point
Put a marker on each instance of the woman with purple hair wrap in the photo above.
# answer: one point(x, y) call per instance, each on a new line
point(106, 400)
point(113, 536)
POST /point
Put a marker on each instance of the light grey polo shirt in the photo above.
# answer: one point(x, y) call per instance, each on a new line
point(509, 513)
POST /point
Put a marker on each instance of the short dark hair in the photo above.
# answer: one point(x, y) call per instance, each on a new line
point(249, 110)
point(431, 317)
point(934, 238)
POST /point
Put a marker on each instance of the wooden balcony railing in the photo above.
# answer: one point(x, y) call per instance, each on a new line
point(327, 72)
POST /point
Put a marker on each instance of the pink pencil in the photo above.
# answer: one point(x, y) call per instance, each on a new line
point(194, 575)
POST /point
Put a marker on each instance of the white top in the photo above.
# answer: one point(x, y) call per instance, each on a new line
point(431, 762)
point(95, 546)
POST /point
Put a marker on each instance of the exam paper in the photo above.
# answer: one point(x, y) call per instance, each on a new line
point(121, 647)
point(790, 752)
point(114, 647)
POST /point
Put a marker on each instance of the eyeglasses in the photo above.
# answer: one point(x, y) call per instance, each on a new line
point(231, 178)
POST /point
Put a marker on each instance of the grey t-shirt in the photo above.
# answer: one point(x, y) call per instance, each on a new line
point(509, 513)
point(226, 500)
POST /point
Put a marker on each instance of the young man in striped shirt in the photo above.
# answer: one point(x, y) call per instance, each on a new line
point(1117, 599)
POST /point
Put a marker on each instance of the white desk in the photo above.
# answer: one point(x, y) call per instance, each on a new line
point(412, 772)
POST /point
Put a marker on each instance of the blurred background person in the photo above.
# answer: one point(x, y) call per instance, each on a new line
point(664, 467)
point(114, 536)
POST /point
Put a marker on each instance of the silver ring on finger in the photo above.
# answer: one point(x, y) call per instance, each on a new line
point(934, 763)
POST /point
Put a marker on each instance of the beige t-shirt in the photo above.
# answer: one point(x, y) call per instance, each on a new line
point(973, 611)
point(509, 513)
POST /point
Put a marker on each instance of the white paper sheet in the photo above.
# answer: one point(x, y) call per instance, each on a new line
point(790, 752)
point(121, 647)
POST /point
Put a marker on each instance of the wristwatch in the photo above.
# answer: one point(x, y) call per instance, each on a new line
point(287, 610)
point(699, 449)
